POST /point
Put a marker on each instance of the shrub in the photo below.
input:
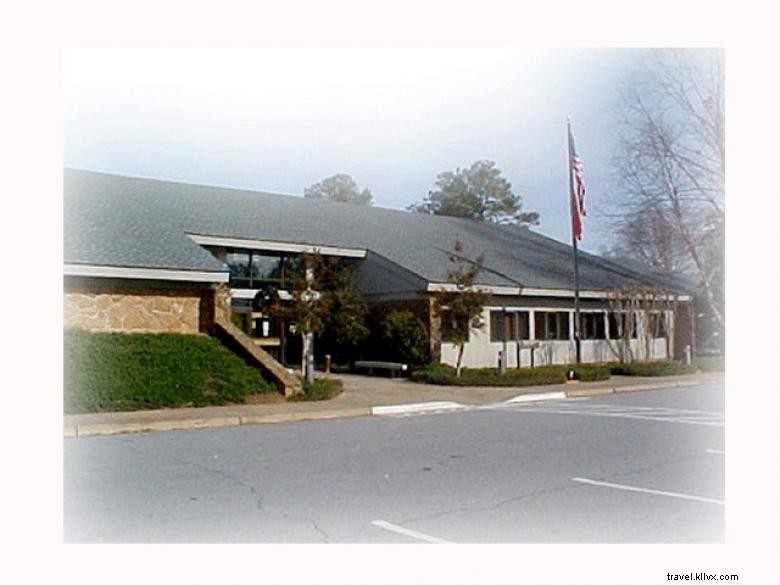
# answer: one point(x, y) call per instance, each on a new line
point(320, 389)
point(116, 371)
point(651, 369)
point(590, 372)
point(446, 375)
point(433, 374)
point(404, 338)
point(345, 331)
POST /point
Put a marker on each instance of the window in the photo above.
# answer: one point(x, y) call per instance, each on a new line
point(592, 325)
point(238, 262)
point(551, 324)
point(252, 269)
point(516, 325)
point(620, 323)
point(656, 325)
point(265, 269)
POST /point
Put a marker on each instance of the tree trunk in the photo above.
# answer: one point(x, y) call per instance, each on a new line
point(458, 367)
point(310, 357)
point(303, 355)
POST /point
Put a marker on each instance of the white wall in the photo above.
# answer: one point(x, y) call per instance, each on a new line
point(480, 352)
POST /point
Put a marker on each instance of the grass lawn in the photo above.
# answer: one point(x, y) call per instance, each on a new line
point(320, 389)
point(117, 372)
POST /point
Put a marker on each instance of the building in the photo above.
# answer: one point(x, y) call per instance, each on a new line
point(144, 255)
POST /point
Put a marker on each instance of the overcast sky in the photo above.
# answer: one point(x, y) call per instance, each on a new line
point(279, 120)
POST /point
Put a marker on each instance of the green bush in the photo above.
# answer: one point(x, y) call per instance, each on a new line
point(651, 369)
point(116, 372)
point(403, 338)
point(320, 389)
point(590, 372)
point(433, 374)
point(446, 375)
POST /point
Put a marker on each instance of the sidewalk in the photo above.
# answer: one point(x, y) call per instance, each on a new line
point(360, 396)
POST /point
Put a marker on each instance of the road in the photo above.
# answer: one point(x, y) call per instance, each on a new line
point(642, 467)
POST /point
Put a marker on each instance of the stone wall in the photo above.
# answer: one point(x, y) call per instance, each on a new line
point(134, 307)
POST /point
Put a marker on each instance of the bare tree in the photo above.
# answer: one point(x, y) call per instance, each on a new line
point(623, 318)
point(642, 313)
point(671, 168)
point(647, 234)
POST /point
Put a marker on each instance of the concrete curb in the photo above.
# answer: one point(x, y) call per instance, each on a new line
point(584, 392)
point(299, 416)
point(116, 428)
point(119, 428)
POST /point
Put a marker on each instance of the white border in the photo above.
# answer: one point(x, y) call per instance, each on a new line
point(251, 293)
point(276, 246)
point(587, 294)
point(494, 290)
point(539, 292)
point(144, 273)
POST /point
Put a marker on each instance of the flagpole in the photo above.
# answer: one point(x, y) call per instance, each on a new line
point(577, 322)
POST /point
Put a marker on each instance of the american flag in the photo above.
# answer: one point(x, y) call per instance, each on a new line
point(578, 190)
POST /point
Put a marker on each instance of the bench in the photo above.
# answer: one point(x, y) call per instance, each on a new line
point(391, 367)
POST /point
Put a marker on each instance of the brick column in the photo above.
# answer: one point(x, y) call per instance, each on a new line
point(683, 332)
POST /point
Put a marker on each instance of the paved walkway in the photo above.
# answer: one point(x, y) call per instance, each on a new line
point(361, 395)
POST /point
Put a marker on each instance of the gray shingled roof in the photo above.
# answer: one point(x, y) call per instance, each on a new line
point(112, 220)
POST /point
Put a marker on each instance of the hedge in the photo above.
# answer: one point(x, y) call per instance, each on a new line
point(651, 369)
point(446, 375)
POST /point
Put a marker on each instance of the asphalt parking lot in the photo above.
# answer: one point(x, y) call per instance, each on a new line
point(640, 467)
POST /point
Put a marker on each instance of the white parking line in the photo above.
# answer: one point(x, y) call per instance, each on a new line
point(406, 532)
point(715, 452)
point(538, 397)
point(659, 414)
point(631, 488)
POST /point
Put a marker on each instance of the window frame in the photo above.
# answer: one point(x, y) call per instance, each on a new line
point(592, 327)
point(555, 322)
point(515, 321)
point(251, 281)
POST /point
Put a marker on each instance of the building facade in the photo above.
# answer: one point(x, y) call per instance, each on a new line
point(151, 256)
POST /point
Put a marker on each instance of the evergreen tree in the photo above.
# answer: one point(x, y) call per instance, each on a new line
point(479, 192)
point(339, 188)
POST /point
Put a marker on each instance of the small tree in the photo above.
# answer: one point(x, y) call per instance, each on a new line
point(461, 302)
point(345, 327)
point(308, 307)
